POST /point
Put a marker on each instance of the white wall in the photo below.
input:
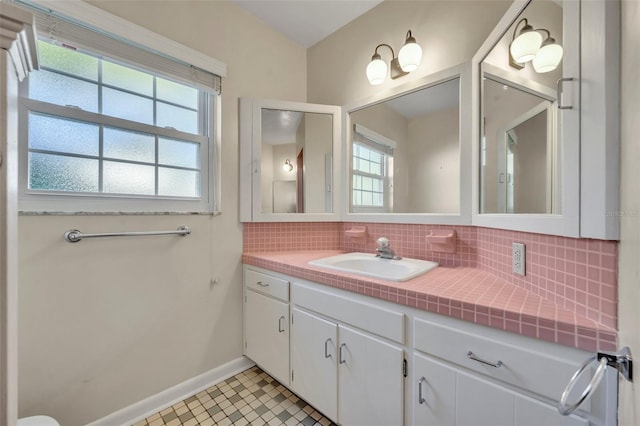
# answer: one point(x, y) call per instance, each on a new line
point(106, 323)
point(450, 32)
point(629, 277)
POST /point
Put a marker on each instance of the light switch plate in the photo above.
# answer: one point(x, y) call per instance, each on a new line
point(518, 258)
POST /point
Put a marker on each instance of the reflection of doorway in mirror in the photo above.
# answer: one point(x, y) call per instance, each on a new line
point(525, 162)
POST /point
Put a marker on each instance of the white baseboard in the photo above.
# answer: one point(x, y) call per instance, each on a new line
point(155, 403)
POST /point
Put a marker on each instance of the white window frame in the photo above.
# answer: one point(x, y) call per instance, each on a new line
point(210, 171)
point(384, 146)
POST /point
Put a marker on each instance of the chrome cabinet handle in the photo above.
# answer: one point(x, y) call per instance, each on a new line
point(342, 346)
point(421, 399)
point(326, 348)
point(261, 284)
point(559, 85)
point(280, 326)
point(474, 357)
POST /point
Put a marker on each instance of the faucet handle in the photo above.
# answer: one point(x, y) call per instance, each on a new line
point(382, 242)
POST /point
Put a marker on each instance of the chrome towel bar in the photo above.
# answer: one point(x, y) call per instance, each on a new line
point(73, 235)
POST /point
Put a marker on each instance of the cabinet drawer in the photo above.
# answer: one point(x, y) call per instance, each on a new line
point(544, 370)
point(374, 319)
point(267, 284)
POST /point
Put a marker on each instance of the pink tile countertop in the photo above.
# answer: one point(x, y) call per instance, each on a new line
point(466, 293)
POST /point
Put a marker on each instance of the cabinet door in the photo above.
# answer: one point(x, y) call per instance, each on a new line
point(529, 412)
point(370, 380)
point(480, 402)
point(434, 392)
point(267, 334)
point(313, 361)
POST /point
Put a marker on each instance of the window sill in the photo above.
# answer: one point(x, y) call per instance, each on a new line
point(88, 213)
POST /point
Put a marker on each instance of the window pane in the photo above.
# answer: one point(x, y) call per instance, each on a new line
point(60, 173)
point(125, 178)
point(124, 105)
point(366, 198)
point(58, 134)
point(178, 153)
point(127, 145)
point(180, 183)
point(68, 60)
point(178, 118)
point(375, 169)
point(127, 78)
point(176, 93)
point(61, 90)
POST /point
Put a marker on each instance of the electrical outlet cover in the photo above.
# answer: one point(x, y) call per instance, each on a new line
point(518, 258)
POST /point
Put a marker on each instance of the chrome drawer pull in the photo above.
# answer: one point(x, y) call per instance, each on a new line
point(474, 357)
point(326, 348)
point(421, 399)
point(342, 346)
point(280, 327)
point(261, 284)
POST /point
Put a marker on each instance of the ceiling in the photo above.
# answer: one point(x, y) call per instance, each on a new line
point(440, 97)
point(307, 21)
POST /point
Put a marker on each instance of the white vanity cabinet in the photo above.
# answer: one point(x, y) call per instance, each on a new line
point(347, 372)
point(266, 323)
point(463, 378)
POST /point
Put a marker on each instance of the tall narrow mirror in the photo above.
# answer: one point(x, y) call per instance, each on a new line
point(296, 162)
point(405, 153)
point(520, 167)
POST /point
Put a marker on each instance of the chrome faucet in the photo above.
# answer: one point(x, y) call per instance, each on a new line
point(384, 251)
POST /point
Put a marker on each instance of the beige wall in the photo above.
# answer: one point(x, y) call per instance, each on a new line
point(450, 33)
point(318, 144)
point(434, 162)
point(106, 323)
point(629, 278)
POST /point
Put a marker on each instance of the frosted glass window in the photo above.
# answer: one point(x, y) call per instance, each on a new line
point(62, 90)
point(178, 183)
point(177, 93)
point(124, 178)
point(98, 126)
point(59, 173)
point(125, 105)
point(178, 153)
point(67, 60)
point(50, 133)
point(127, 145)
point(127, 78)
point(179, 118)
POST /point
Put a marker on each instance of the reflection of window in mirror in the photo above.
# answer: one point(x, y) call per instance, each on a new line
point(372, 176)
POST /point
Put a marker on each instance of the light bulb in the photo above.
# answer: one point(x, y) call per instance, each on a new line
point(548, 57)
point(410, 54)
point(525, 46)
point(376, 70)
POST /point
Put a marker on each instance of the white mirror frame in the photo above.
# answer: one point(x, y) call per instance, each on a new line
point(568, 222)
point(250, 139)
point(463, 217)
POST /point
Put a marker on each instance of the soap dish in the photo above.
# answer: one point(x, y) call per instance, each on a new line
point(356, 232)
point(442, 240)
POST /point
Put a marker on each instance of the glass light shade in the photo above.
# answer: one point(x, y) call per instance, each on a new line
point(376, 71)
point(525, 46)
point(409, 56)
point(547, 58)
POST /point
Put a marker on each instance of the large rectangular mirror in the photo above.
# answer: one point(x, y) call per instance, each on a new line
point(404, 154)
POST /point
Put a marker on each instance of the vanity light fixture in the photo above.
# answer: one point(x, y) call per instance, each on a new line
point(287, 166)
point(529, 45)
point(408, 60)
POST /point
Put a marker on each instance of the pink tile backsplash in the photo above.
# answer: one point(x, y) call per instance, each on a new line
point(566, 278)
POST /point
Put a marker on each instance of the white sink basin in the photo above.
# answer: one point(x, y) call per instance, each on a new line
point(369, 265)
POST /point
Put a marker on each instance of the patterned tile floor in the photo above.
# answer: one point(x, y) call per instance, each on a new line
point(248, 398)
